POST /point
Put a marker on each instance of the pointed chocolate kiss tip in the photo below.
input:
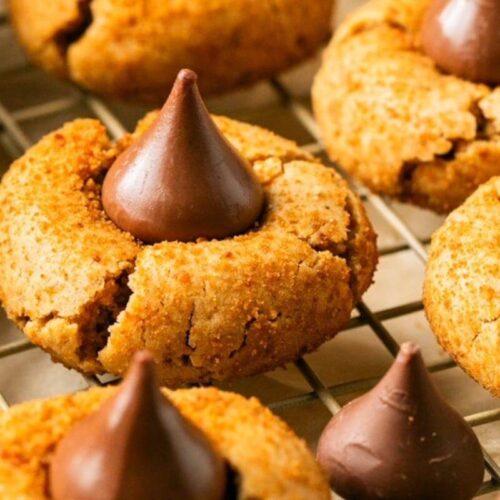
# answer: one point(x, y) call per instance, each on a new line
point(410, 348)
point(141, 375)
point(409, 351)
point(401, 440)
point(187, 76)
point(143, 358)
point(182, 180)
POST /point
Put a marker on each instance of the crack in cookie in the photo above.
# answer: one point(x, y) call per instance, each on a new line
point(99, 315)
point(76, 29)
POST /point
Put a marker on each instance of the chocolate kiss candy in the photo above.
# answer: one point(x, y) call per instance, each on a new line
point(401, 440)
point(137, 446)
point(463, 38)
point(182, 180)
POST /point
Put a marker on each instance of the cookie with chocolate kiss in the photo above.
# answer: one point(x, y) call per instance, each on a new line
point(401, 100)
point(267, 461)
point(182, 180)
point(463, 38)
point(216, 308)
point(137, 445)
point(401, 440)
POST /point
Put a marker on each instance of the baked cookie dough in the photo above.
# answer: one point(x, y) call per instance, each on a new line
point(462, 285)
point(272, 463)
point(91, 295)
point(133, 50)
point(397, 123)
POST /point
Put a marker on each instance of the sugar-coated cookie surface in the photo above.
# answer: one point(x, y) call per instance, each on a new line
point(133, 50)
point(462, 285)
point(392, 119)
point(206, 310)
point(271, 461)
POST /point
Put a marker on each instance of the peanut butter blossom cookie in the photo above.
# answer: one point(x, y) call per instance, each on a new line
point(408, 98)
point(139, 442)
point(462, 285)
point(220, 247)
point(133, 49)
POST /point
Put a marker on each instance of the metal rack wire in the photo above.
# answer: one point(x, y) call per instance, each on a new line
point(15, 140)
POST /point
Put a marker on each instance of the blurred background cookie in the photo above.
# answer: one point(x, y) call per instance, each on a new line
point(395, 118)
point(133, 50)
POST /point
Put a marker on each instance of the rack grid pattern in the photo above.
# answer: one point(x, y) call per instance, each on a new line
point(15, 140)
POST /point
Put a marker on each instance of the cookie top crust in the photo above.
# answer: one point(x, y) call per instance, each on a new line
point(133, 50)
point(391, 118)
point(207, 309)
point(272, 463)
point(462, 285)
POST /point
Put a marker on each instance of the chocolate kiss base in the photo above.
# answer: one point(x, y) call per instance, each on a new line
point(182, 180)
point(401, 440)
point(463, 38)
point(138, 446)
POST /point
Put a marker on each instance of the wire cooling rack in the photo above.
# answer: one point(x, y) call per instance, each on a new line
point(283, 107)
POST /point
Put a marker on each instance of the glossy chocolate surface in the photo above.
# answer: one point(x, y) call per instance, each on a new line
point(401, 440)
point(137, 446)
point(463, 38)
point(182, 180)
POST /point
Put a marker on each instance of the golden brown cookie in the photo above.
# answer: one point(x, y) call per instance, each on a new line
point(462, 285)
point(92, 295)
point(271, 461)
point(393, 120)
point(133, 50)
